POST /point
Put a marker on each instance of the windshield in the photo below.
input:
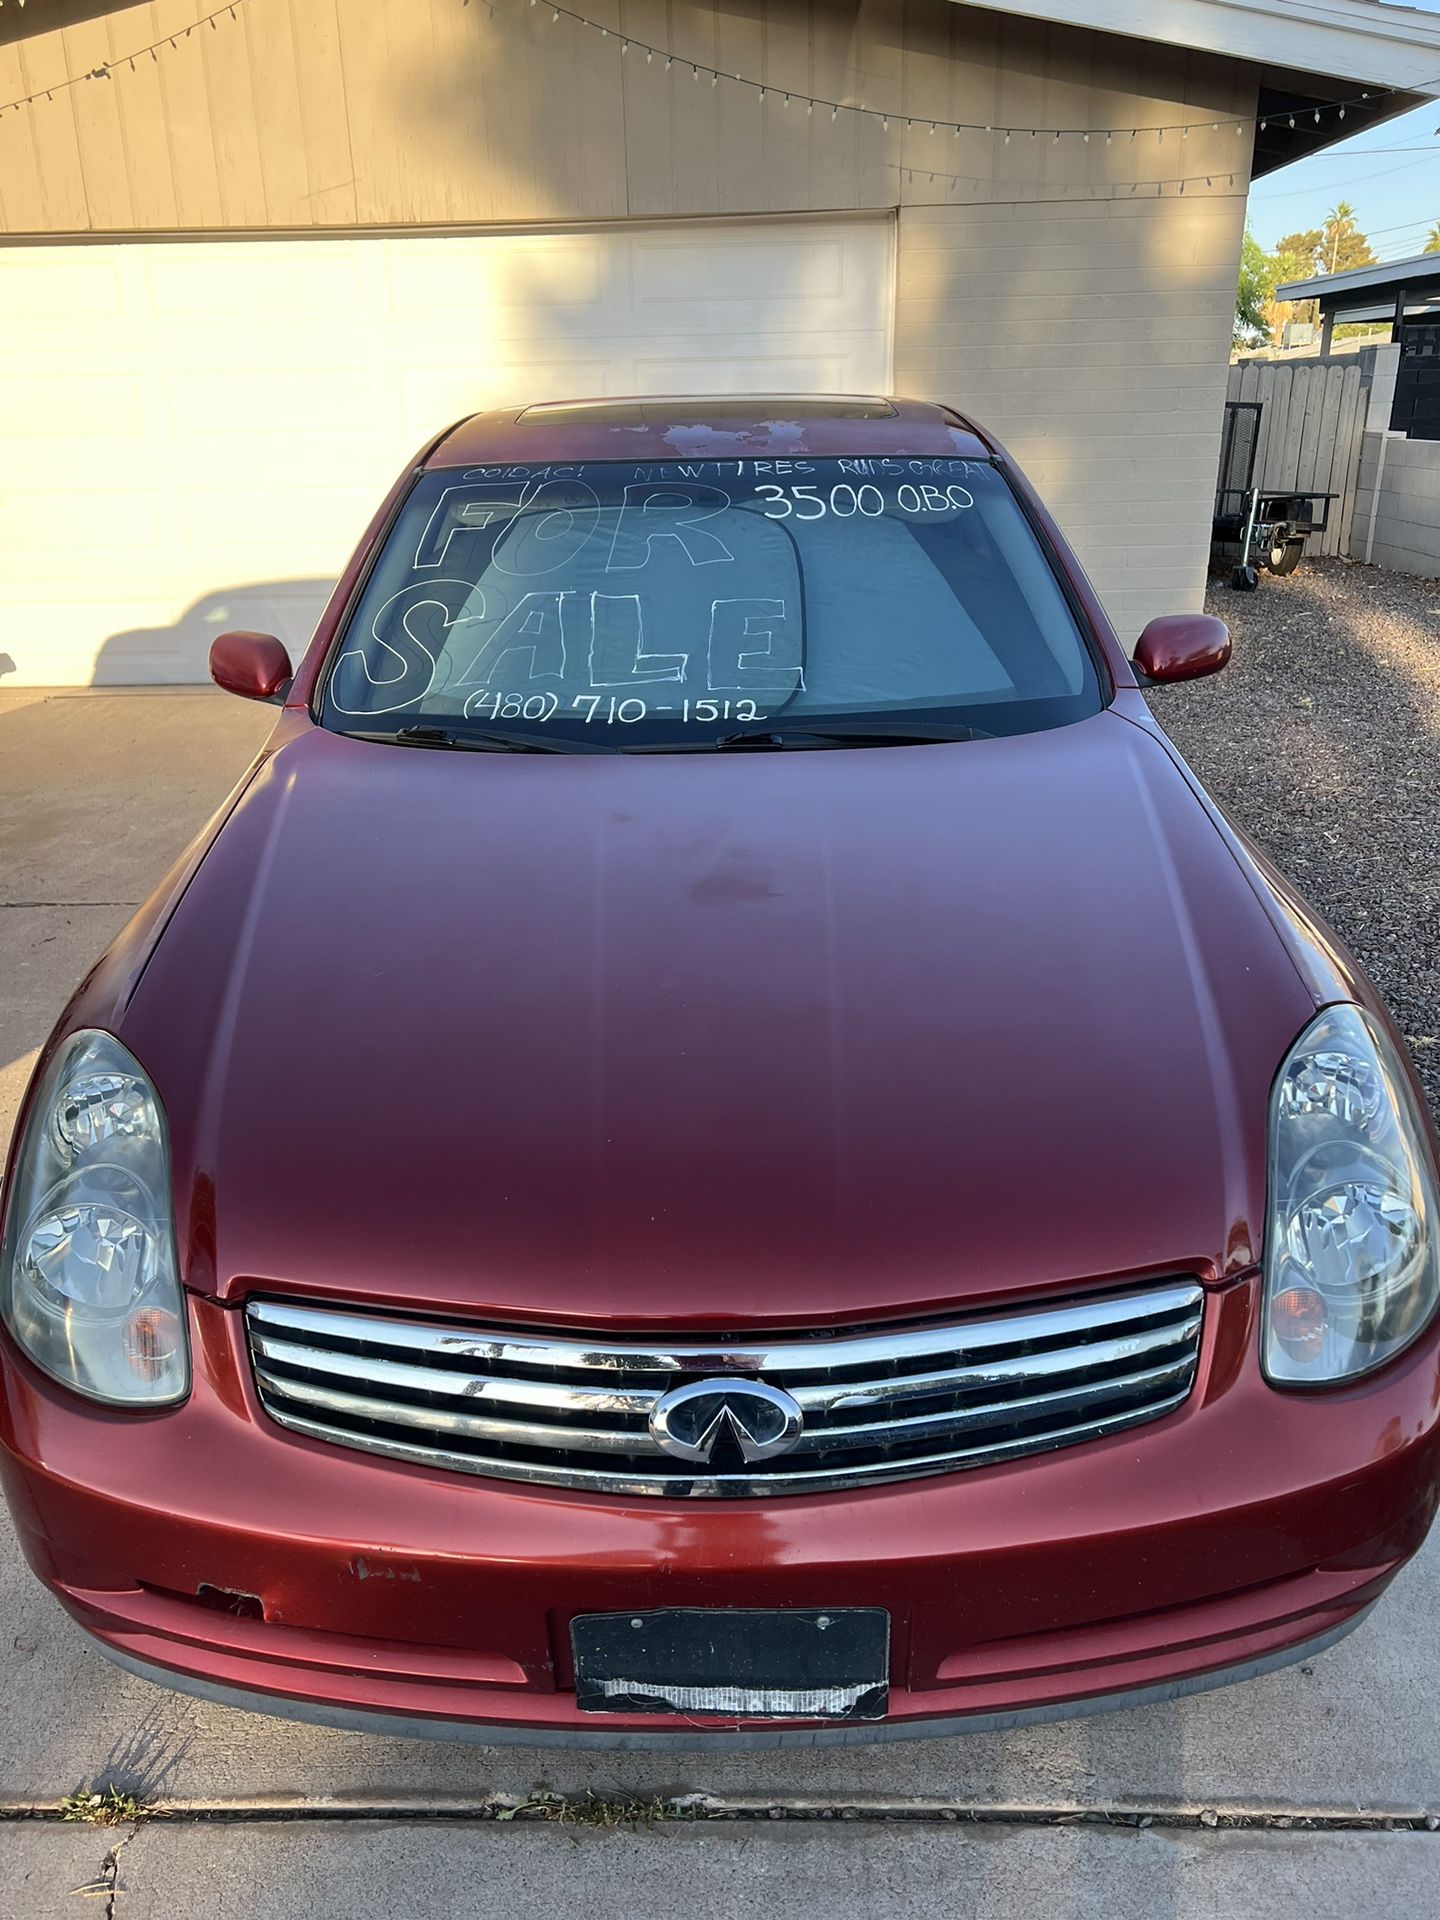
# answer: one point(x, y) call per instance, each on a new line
point(711, 603)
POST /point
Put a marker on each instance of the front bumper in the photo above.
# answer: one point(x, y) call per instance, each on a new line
point(1245, 1529)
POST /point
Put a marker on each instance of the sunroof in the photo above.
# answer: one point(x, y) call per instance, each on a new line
point(695, 409)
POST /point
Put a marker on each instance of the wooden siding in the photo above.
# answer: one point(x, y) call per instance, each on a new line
point(323, 113)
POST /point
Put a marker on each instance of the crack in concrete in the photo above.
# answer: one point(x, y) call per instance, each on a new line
point(551, 1808)
point(107, 1881)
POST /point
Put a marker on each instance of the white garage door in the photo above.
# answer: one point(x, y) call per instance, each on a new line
point(194, 433)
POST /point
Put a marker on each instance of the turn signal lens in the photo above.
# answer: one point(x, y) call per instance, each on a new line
point(152, 1340)
point(1298, 1320)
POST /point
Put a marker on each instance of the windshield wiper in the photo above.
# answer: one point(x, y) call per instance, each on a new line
point(880, 735)
point(465, 741)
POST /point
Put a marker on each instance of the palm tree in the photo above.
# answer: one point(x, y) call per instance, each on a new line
point(1343, 246)
point(1432, 245)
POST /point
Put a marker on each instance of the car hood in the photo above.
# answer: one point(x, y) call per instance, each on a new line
point(785, 1039)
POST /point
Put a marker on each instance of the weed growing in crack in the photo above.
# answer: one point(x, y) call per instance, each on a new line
point(606, 1811)
point(107, 1806)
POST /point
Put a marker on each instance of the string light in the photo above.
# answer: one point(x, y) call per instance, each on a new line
point(104, 71)
point(1182, 127)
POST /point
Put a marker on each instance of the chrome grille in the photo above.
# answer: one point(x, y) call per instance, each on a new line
point(877, 1407)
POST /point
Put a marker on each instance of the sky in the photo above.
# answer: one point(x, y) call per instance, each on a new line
point(1395, 194)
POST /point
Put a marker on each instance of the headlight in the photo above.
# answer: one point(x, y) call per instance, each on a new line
point(1352, 1263)
point(89, 1284)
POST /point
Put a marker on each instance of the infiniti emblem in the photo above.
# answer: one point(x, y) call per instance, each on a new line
point(691, 1421)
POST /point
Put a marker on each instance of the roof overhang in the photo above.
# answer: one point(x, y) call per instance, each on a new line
point(1307, 54)
point(1372, 293)
point(1359, 41)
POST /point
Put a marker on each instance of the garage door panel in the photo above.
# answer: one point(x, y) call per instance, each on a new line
point(40, 526)
point(53, 287)
point(208, 281)
point(775, 373)
point(240, 405)
point(503, 279)
point(214, 402)
point(302, 527)
point(91, 405)
point(440, 395)
point(686, 272)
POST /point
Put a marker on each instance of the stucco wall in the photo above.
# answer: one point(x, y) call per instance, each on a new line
point(1397, 521)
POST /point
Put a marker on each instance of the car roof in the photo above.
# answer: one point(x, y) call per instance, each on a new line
point(710, 427)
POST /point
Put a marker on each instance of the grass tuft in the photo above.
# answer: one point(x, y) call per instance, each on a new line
point(107, 1806)
point(605, 1811)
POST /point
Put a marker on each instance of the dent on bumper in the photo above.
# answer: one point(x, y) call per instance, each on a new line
point(1228, 1537)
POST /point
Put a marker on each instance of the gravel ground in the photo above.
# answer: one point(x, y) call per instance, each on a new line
point(1322, 740)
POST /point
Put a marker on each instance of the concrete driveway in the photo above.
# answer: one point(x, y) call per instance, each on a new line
point(1279, 1796)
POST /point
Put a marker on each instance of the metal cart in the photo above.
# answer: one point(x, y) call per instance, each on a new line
point(1269, 528)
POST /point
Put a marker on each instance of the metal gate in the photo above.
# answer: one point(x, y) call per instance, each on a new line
point(1416, 411)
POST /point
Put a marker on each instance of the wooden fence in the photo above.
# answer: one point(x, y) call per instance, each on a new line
point(1311, 425)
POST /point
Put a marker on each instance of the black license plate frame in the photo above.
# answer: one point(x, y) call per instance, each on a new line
point(735, 1663)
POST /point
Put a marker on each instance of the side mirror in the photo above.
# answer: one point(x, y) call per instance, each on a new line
point(1181, 646)
point(254, 665)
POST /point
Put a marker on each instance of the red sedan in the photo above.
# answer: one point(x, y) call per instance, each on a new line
point(718, 1143)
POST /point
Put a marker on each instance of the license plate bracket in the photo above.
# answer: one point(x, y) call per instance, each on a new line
point(732, 1663)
